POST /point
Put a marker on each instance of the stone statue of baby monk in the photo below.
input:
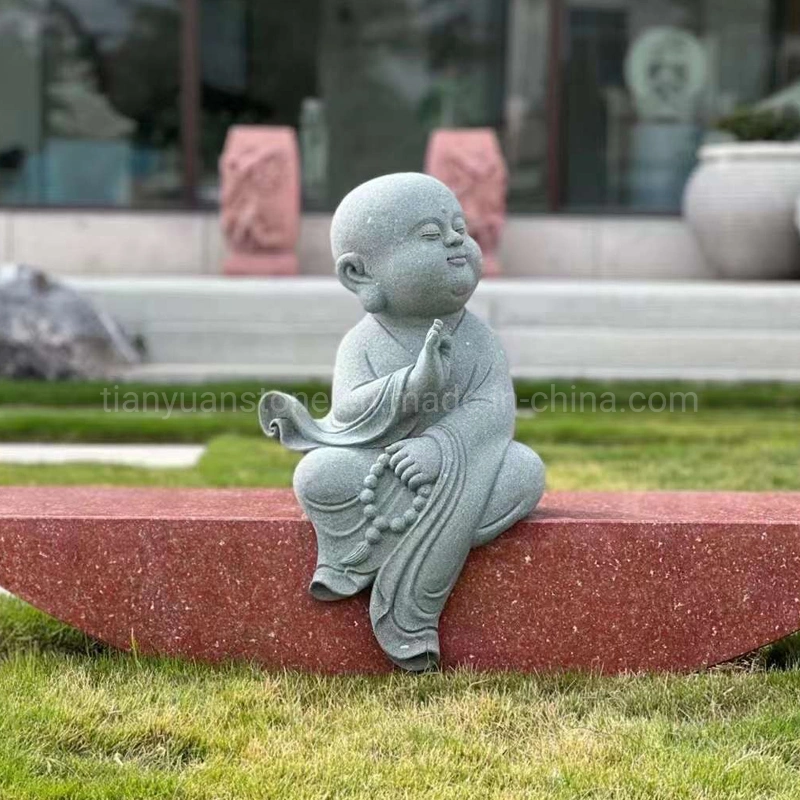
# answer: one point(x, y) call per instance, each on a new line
point(415, 464)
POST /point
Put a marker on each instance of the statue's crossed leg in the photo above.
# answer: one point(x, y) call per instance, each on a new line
point(330, 484)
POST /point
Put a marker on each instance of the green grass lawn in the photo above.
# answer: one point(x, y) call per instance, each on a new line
point(69, 412)
point(80, 722)
point(734, 449)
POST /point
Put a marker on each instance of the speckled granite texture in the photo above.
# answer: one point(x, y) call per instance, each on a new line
point(609, 582)
point(415, 465)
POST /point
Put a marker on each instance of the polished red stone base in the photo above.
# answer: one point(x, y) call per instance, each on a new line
point(607, 582)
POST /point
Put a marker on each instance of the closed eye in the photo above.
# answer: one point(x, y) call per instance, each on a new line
point(430, 232)
point(459, 226)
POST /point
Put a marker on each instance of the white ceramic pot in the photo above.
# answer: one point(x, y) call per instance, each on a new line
point(740, 204)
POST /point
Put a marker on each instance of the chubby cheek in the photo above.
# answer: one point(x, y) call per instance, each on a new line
point(462, 280)
point(475, 256)
point(411, 282)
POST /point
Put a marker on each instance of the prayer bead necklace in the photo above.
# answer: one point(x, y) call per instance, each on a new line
point(379, 525)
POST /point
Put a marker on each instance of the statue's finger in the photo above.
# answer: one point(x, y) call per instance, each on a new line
point(398, 457)
point(419, 479)
point(409, 472)
point(393, 448)
point(403, 465)
point(432, 340)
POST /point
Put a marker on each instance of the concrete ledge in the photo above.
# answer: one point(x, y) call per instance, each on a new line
point(202, 328)
point(5, 237)
point(110, 242)
point(122, 243)
point(611, 582)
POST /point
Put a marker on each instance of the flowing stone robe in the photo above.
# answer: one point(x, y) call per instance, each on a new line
point(472, 423)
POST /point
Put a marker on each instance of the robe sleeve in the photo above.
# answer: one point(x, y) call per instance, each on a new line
point(414, 583)
point(367, 410)
point(487, 410)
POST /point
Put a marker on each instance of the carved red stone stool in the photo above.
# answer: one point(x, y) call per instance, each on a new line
point(260, 178)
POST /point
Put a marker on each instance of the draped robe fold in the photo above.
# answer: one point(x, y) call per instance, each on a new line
point(473, 427)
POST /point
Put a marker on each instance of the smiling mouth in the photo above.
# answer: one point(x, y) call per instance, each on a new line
point(457, 261)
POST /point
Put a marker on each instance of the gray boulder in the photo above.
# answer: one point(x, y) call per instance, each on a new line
point(49, 331)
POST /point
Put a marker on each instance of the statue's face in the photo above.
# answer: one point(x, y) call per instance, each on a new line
point(428, 264)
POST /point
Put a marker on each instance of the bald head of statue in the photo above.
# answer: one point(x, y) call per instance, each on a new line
point(401, 244)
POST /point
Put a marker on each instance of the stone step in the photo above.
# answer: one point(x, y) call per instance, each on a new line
point(593, 581)
point(290, 328)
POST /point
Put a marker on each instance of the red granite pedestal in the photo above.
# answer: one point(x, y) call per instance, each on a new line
point(608, 582)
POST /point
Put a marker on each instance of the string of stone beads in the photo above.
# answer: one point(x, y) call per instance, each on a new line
point(380, 524)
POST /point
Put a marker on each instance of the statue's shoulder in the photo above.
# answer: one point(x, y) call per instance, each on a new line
point(485, 339)
point(359, 337)
point(476, 327)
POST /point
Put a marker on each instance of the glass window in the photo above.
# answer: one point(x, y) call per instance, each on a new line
point(525, 115)
point(259, 66)
point(89, 102)
point(645, 81)
point(363, 81)
point(89, 91)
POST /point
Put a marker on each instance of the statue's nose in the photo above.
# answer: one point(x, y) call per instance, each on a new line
point(454, 238)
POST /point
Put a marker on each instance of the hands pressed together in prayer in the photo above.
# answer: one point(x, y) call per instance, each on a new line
point(431, 373)
point(417, 461)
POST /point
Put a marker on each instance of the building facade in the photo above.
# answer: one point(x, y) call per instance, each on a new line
point(113, 112)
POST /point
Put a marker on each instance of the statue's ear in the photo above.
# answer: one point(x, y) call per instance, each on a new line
point(354, 276)
point(352, 272)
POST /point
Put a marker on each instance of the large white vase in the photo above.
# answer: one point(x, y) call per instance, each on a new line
point(740, 204)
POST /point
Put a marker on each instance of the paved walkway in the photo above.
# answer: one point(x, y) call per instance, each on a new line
point(153, 456)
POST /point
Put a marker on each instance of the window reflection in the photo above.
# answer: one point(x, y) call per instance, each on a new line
point(88, 102)
point(645, 82)
point(363, 81)
point(525, 103)
point(259, 66)
point(89, 110)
